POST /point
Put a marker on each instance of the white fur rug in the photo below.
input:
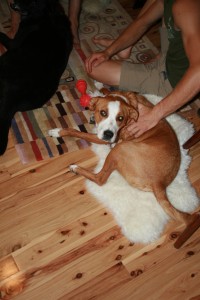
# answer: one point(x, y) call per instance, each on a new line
point(137, 212)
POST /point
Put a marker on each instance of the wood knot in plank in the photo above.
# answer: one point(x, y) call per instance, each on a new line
point(85, 224)
point(119, 257)
point(16, 247)
point(190, 253)
point(65, 232)
point(174, 235)
point(120, 247)
point(79, 275)
point(136, 272)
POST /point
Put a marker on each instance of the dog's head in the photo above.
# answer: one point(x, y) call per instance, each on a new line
point(112, 113)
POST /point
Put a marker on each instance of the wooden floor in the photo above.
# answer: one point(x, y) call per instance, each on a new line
point(58, 242)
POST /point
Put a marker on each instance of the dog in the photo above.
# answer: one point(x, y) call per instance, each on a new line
point(35, 59)
point(149, 163)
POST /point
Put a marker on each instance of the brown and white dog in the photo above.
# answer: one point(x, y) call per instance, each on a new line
point(150, 162)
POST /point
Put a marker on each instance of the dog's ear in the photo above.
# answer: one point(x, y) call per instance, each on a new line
point(104, 91)
point(133, 114)
point(142, 100)
point(93, 103)
point(132, 99)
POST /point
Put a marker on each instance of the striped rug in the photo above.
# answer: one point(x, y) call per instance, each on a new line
point(30, 129)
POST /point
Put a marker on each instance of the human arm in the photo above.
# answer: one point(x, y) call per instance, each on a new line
point(74, 12)
point(129, 36)
point(187, 19)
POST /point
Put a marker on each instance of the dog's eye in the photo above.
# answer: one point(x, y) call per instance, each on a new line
point(120, 118)
point(103, 113)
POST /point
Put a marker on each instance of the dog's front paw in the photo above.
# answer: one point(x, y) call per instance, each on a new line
point(73, 168)
point(54, 132)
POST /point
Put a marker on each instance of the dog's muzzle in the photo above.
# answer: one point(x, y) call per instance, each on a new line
point(107, 135)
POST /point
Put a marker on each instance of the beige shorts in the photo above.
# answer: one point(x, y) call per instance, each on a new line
point(148, 78)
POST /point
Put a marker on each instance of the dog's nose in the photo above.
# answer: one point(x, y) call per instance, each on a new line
point(107, 135)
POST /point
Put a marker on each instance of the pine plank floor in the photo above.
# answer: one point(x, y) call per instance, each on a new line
point(58, 243)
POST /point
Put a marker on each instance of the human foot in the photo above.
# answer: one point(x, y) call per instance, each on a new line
point(106, 42)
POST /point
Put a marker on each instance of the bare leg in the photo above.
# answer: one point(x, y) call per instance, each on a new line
point(146, 6)
point(105, 42)
point(124, 54)
point(108, 72)
point(74, 11)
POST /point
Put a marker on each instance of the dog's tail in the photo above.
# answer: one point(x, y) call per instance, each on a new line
point(161, 196)
point(192, 221)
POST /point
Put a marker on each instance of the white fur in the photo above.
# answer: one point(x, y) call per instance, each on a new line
point(96, 93)
point(73, 168)
point(54, 132)
point(137, 212)
point(98, 85)
point(110, 122)
point(120, 96)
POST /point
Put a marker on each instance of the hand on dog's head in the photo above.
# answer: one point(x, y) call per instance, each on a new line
point(125, 135)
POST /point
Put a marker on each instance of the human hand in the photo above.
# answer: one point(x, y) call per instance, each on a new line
point(95, 59)
point(143, 124)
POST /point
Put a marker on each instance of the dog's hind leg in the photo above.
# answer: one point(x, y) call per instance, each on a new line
point(99, 178)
